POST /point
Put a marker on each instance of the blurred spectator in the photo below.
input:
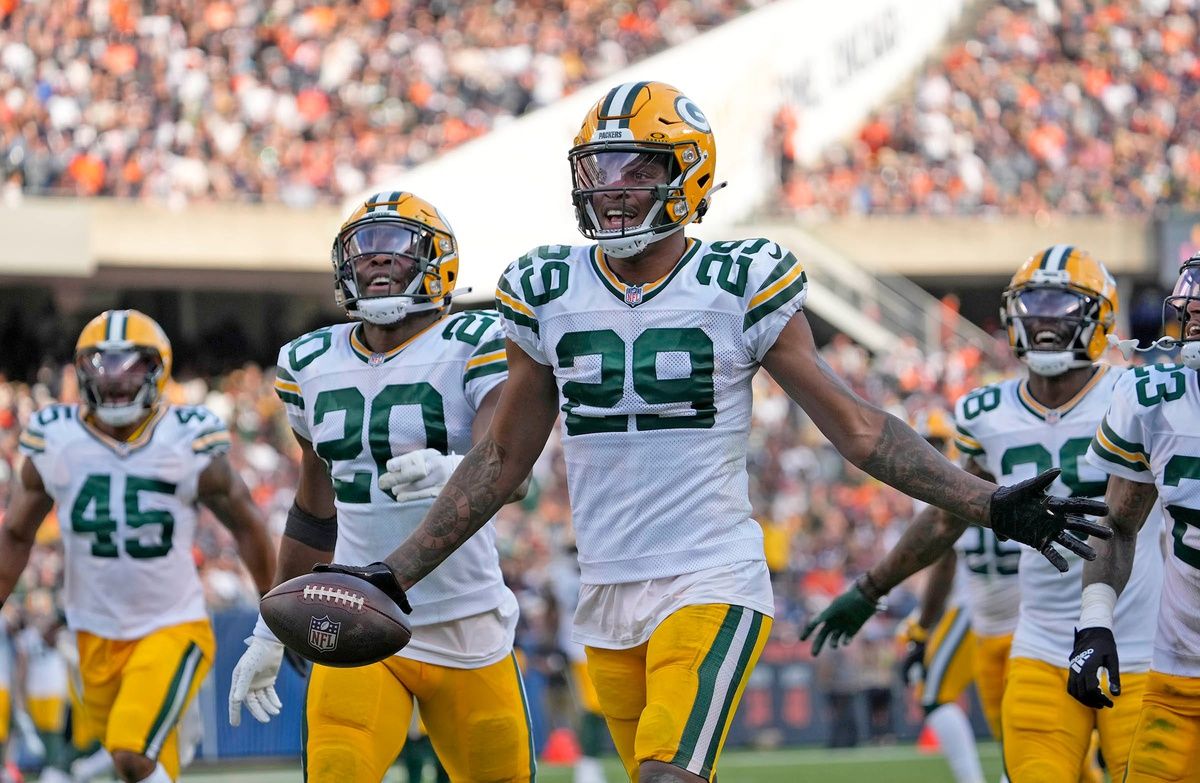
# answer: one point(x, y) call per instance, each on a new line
point(300, 101)
point(1078, 107)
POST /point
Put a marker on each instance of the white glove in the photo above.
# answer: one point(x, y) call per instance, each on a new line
point(418, 474)
point(254, 678)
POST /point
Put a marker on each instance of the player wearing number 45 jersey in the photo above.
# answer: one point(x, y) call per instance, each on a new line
point(1149, 444)
point(650, 340)
point(406, 379)
point(126, 470)
point(1059, 308)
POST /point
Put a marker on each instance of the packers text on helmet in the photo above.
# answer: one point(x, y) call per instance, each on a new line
point(123, 361)
point(643, 166)
point(395, 255)
point(1059, 309)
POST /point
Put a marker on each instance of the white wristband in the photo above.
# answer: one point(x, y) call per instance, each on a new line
point(261, 631)
point(1096, 607)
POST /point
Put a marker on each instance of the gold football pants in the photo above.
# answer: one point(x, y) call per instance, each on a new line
point(1166, 743)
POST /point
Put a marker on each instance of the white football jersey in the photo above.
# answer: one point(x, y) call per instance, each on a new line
point(46, 669)
point(359, 409)
point(127, 514)
point(1014, 437)
point(654, 382)
point(1151, 434)
point(988, 571)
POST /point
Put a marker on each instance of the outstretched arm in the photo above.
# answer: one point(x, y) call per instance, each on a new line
point(489, 474)
point(222, 490)
point(868, 437)
point(29, 506)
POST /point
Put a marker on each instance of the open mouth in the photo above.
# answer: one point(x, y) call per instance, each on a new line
point(1046, 340)
point(380, 284)
point(618, 218)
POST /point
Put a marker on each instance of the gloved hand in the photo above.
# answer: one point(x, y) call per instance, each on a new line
point(418, 474)
point(1026, 514)
point(378, 574)
point(840, 620)
point(1095, 649)
point(912, 667)
point(254, 681)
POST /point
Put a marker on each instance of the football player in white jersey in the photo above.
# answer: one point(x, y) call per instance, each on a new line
point(652, 338)
point(382, 407)
point(1059, 308)
point(127, 469)
point(1149, 444)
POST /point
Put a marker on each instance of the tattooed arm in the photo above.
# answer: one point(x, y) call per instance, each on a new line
point(1129, 504)
point(928, 537)
point(868, 437)
point(489, 474)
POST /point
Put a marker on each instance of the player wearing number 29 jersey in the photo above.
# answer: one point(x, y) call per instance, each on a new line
point(126, 471)
point(1149, 444)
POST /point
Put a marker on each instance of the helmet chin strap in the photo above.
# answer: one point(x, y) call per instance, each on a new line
point(388, 310)
point(1189, 350)
point(625, 247)
point(1050, 364)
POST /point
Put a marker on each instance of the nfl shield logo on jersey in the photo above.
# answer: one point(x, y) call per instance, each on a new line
point(633, 295)
point(323, 633)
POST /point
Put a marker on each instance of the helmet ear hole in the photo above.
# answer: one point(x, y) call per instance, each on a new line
point(450, 276)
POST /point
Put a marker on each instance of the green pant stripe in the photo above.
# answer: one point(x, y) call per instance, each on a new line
point(739, 674)
point(172, 706)
point(943, 657)
point(707, 675)
point(528, 717)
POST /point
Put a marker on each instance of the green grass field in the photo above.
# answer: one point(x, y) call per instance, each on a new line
point(892, 764)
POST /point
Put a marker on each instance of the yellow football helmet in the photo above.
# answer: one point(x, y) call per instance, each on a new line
point(396, 254)
point(123, 361)
point(643, 166)
point(1059, 308)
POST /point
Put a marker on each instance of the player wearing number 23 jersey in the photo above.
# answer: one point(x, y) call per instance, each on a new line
point(1149, 444)
point(126, 470)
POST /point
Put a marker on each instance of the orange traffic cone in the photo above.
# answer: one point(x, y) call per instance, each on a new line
point(561, 747)
point(927, 741)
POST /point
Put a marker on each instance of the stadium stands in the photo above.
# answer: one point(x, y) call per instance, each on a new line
point(1094, 110)
point(227, 100)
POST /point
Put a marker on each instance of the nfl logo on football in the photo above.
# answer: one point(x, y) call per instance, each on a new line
point(633, 295)
point(323, 633)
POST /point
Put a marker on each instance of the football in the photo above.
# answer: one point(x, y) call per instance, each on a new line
point(335, 619)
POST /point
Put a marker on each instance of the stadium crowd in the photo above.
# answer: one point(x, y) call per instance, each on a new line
point(1078, 107)
point(300, 101)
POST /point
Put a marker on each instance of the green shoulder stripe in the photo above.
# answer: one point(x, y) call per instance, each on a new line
point(491, 368)
point(1101, 451)
point(283, 374)
point(1120, 442)
point(291, 399)
point(775, 302)
point(781, 269)
point(491, 346)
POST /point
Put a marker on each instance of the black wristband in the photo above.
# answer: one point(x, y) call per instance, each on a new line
point(311, 531)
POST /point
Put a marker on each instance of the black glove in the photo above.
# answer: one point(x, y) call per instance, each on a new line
point(840, 620)
point(1026, 514)
point(914, 660)
point(1095, 649)
point(378, 574)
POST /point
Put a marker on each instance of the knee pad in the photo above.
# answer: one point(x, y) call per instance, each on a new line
point(493, 743)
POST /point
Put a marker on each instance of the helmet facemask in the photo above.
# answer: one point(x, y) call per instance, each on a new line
point(119, 385)
point(630, 195)
point(1181, 314)
point(387, 268)
point(1051, 328)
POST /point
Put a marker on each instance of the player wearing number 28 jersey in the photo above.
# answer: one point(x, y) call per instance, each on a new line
point(648, 340)
point(126, 470)
point(1149, 444)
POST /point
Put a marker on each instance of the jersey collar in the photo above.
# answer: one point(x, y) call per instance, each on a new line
point(1052, 415)
point(140, 438)
point(634, 295)
point(359, 348)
